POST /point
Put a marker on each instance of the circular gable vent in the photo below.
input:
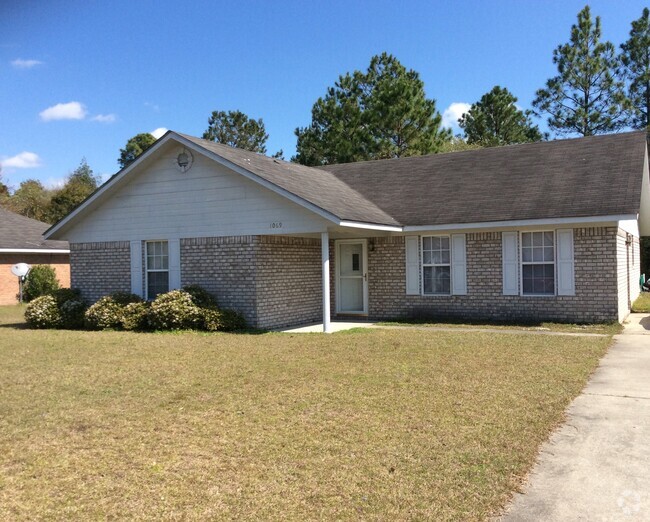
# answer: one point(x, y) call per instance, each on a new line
point(184, 160)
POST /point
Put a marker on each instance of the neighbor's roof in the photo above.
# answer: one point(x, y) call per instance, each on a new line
point(594, 176)
point(22, 233)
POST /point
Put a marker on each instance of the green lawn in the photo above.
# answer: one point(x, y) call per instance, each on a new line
point(642, 303)
point(374, 424)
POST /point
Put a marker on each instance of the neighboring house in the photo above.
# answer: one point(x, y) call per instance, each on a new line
point(21, 241)
point(537, 231)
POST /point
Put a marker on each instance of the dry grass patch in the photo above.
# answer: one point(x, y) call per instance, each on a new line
point(642, 303)
point(376, 424)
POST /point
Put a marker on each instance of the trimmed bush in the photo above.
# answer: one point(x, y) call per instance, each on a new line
point(232, 321)
point(104, 314)
point(72, 314)
point(174, 310)
point(41, 280)
point(125, 298)
point(43, 312)
point(66, 294)
point(201, 297)
point(211, 319)
point(135, 316)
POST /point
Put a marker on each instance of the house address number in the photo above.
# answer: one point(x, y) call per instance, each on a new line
point(276, 224)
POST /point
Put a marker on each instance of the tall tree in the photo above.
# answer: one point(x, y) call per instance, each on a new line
point(31, 199)
point(380, 113)
point(495, 120)
point(587, 96)
point(79, 185)
point(134, 147)
point(236, 129)
point(636, 62)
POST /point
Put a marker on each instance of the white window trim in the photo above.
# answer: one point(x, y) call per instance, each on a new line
point(422, 265)
point(522, 263)
point(147, 269)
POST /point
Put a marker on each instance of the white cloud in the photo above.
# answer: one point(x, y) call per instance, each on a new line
point(24, 160)
point(104, 118)
point(452, 113)
point(64, 111)
point(19, 63)
point(157, 133)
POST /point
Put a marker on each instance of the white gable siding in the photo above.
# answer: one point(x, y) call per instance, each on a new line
point(207, 201)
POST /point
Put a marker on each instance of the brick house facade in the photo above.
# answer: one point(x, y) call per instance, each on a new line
point(553, 234)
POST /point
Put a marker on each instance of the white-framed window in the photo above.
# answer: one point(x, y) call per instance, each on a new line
point(538, 263)
point(436, 265)
point(156, 268)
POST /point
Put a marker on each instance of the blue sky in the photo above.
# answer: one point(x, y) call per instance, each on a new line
point(78, 78)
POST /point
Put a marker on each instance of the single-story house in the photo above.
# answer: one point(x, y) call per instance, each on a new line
point(546, 230)
point(21, 241)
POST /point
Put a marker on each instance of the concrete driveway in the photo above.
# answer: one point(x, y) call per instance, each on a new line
point(597, 465)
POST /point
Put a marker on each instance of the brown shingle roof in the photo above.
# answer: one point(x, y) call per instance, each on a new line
point(594, 176)
point(20, 232)
point(318, 187)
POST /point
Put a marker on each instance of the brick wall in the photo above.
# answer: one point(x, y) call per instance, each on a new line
point(9, 283)
point(595, 277)
point(224, 266)
point(288, 283)
point(98, 269)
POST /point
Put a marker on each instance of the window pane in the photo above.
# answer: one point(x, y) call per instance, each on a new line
point(157, 283)
point(526, 239)
point(435, 243)
point(538, 254)
point(445, 257)
point(441, 280)
point(527, 254)
point(538, 279)
point(164, 248)
point(428, 279)
point(548, 238)
point(164, 262)
point(150, 249)
point(437, 257)
point(426, 243)
point(548, 253)
point(444, 243)
point(426, 257)
point(538, 239)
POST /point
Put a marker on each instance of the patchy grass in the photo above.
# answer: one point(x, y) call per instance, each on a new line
point(642, 303)
point(382, 424)
point(542, 326)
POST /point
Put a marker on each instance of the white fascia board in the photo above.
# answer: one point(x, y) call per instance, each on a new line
point(259, 180)
point(109, 184)
point(644, 207)
point(370, 226)
point(631, 226)
point(33, 251)
point(521, 223)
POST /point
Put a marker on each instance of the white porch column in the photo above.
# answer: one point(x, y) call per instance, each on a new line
point(325, 258)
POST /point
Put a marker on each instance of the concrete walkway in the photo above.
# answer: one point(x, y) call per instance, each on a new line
point(336, 326)
point(597, 465)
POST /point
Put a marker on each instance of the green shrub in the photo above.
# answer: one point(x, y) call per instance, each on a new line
point(104, 314)
point(232, 321)
point(211, 319)
point(125, 298)
point(174, 310)
point(201, 297)
point(43, 312)
point(135, 316)
point(41, 280)
point(72, 314)
point(66, 294)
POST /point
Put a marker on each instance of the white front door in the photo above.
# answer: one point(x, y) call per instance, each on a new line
point(351, 277)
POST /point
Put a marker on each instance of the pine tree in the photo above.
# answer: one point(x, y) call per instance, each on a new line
point(495, 120)
point(380, 113)
point(236, 129)
point(636, 62)
point(134, 147)
point(586, 97)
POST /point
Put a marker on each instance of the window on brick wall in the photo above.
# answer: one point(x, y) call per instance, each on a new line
point(157, 268)
point(538, 263)
point(436, 265)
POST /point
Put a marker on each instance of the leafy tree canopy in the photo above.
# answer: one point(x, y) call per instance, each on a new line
point(380, 113)
point(586, 97)
point(236, 129)
point(495, 120)
point(79, 185)
point(636, 62)
point(31, 199)
point(134, 147)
